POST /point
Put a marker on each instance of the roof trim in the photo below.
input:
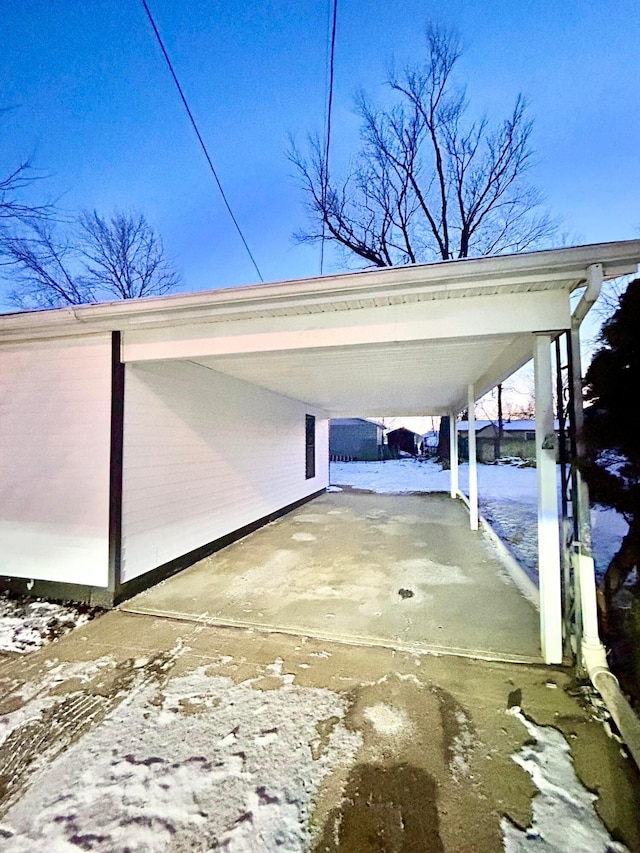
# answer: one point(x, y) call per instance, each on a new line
point(564, 269)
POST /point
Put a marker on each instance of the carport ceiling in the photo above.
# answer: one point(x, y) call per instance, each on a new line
point(401, 378)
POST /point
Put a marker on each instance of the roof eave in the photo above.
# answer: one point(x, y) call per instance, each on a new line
point(547, 269)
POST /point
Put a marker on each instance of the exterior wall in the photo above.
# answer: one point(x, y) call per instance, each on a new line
point(518, 440)
point(204, 455)
point(357, 440)
point(511, 445)
point(55, 422)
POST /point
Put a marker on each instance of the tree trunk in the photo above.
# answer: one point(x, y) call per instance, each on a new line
point(444, 454)
point(618, 570)
point(500, 420)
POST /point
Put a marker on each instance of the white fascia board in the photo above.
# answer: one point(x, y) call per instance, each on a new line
point(563, 269)
point(471, 317)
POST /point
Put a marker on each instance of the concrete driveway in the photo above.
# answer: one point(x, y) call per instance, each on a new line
point(402, 571)
point(146, 732)
point(140, 733)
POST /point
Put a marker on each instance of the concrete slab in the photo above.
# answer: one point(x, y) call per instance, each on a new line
point(432, 770)
point(402, 571)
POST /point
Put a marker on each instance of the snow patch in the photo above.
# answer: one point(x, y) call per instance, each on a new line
point(243, 779)
point(386, 719)
point(462, 746)
point(36, 696)
point(26, 625)
point(563, 817)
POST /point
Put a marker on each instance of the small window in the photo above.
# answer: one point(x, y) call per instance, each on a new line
point(529, 436)
point(310, 447)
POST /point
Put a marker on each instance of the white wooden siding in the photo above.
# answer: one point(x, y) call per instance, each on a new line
point(204, 455)
point(55, 408)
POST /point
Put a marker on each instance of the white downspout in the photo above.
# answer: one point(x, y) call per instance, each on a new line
point(593, 652)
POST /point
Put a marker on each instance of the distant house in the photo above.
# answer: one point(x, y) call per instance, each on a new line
point(355, 440)
point(429, 443)
point(403, 440)
point(518, 439)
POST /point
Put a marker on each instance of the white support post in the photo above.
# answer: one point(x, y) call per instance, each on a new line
point(548, 525)
point(453, 454)
point(473, 465)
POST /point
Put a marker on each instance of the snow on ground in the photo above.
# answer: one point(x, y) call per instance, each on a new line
point(200, 763)
point(563, 815)
point(507, 497)
point(28, 624)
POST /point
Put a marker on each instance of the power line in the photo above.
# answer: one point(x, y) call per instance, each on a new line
point(325, 177)
point(200, 140)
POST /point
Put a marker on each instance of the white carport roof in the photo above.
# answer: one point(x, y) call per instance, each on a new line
point(398, 340)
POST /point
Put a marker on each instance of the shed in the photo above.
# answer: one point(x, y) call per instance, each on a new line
point(355, 440)
point(403, 440)
point(139, 436)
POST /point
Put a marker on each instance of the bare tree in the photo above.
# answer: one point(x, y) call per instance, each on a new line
point(97, 259)
point(427, 184)
point(124, 256)
point(506, 403)
point(12, 207)
point(44, 269)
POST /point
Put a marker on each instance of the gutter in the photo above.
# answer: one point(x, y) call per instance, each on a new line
point(549, 269)
point(592, 651)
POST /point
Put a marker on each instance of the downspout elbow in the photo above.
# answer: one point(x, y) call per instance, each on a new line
point(594, 657)
point(607, 685)
point(595, 277)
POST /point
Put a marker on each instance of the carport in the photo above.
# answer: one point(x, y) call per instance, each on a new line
point(190, 420)
point(418, 340)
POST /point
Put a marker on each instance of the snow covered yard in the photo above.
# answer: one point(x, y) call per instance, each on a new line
point(27, 624)
point(507, 498)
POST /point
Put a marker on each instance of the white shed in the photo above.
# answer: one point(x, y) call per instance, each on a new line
point(137, 437)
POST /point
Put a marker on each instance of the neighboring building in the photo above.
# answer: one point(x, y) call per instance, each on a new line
point(403, 440)
point(429, 443)
point(355, 440)
point(518, 439)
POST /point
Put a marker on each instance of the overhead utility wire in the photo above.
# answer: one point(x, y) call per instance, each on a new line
point(200, 140)
point(325, 176)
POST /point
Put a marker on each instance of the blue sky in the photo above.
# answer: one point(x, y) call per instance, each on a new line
point(91, 101)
